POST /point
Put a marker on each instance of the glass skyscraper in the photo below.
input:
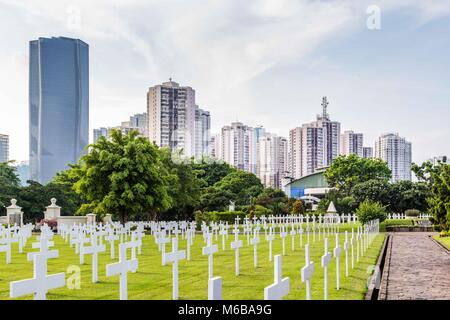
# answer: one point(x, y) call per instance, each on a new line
point(58, 105)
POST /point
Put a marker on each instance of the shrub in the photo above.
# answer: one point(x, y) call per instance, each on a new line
point(412, 213)
point(369, 210)
point(444, 234)
point(50, 223)
point(259, 211)
point(216, 216)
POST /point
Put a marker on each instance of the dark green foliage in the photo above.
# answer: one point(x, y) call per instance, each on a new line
point(347, 171)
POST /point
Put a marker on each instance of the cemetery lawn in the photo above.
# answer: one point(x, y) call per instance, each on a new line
point(444, 240)
point(153, 281)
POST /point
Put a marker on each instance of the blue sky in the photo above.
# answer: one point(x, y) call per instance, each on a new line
point(263, 62)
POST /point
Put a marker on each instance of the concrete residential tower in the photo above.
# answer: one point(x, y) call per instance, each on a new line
point(396, 151)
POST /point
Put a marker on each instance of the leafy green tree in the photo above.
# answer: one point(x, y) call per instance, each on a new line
point(369, 210)
point(8, 175)
point(238, 186)
point(184, 187)
point(406, 195)
point(9, 185)
point(373, 190)
point(211, 170)
point(273, 199)
point(439, 201)
point(244, 186)
point(124, 176)
point(347, 171)
point(216, 199)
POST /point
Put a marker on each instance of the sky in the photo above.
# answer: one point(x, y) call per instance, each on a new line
point(383, 65)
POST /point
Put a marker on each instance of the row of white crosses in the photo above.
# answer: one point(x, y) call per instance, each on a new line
point(41, 282)
point(187, 231)
point(14, 234)
point(280, 287)
point(396, 216)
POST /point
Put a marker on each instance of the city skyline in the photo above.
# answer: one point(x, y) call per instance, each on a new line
point(388, 80)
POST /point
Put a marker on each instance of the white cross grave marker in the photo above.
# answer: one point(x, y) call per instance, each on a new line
point(254, 242)
point(40, 283)
point(209, 250)
point(236, 244)
point(94, 249)
point(337, 254)
point(280, 287)
point(173, 257)
point(307, 272)
point(122, 268)
point(326, 259)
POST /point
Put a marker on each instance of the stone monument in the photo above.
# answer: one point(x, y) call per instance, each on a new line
point(53, 211)
point(14, 214)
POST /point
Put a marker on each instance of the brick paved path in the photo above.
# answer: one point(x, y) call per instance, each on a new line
point(418, 269)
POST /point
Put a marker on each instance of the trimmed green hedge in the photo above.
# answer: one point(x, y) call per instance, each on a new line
point(216, 216)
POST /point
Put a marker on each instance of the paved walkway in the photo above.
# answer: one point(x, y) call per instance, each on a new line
point(418, 268)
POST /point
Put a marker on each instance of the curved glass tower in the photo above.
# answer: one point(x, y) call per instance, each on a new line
point(58, 105)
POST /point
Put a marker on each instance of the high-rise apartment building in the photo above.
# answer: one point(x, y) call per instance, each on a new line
point(352, 143)
point(236, 145)
point(202, 133)
point(58, 105)
point(313, 145)
point(396, 151)
point(4, 148)
point(368, 152)
point(171, 113)
point(272, 159)
point(332, 134)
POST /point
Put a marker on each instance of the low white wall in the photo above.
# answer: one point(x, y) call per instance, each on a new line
point(71, 220)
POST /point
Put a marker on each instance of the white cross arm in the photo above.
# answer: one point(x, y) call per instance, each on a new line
point(337, 252)
point(326, 259)
point(120, 267)
point(92, 250)
point(175, 256)
point(209, 250)
point(307, 272)
point(49, 254)
point(236, 244)
point(29, 286)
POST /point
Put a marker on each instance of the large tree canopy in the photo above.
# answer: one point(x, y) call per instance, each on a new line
point(123, 176)
point(347, 171)
point(238, 186)
point(211, 170)
point(184, 186)
point(439, 200)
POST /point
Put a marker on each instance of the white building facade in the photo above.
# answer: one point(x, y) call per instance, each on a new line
point(352, 143)
point(236, 145)
point(4, 148)
point(171, 117)
point(397, 152)
point(272, 160)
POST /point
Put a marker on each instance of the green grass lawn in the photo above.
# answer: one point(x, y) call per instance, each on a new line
point(395, 222)
point(153, 281)
point(444, 240)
